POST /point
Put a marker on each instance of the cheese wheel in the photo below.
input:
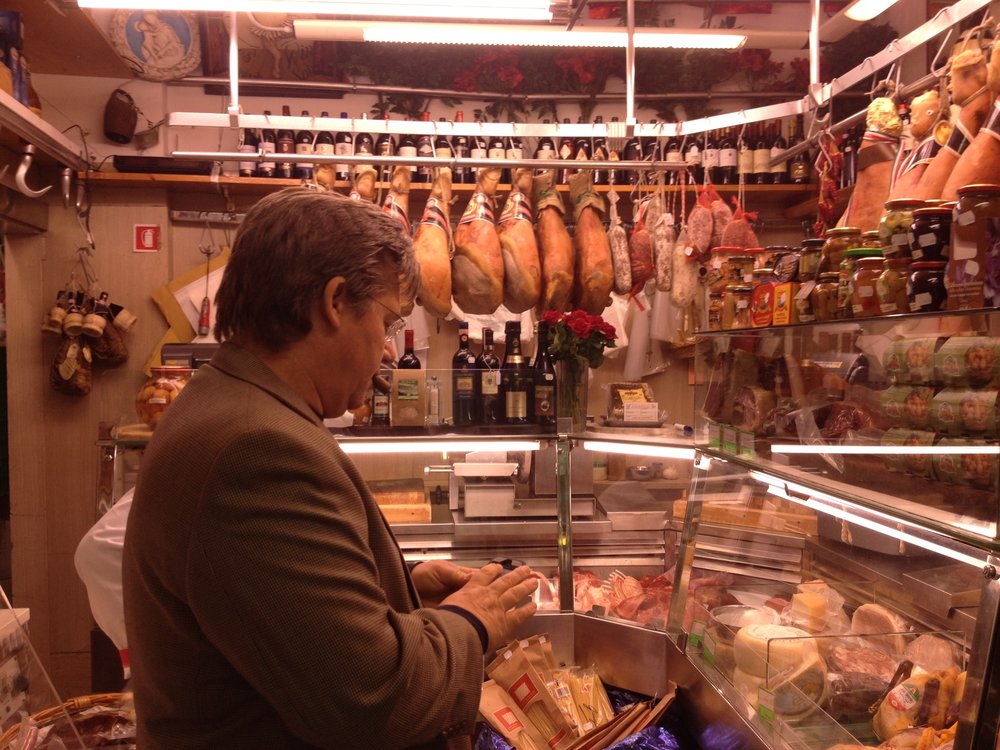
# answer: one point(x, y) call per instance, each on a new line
point(762, 650)
point(883, 627)
point(796, 694)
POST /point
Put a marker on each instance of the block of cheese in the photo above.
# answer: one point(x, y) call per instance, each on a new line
point(763, 650)
point(884, 628)
point(808, 611)
point(796, 694)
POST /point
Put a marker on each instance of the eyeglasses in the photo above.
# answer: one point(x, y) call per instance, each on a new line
point(395, 326)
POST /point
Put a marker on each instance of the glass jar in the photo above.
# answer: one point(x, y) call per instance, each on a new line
point(809, 258)
point(159, 391)
point(894, 227)
point(930, 233)
point(736, 308)
point(824, 296)
point(715, 306)
point(975, 233)
point(762, 298)
point(871, 239)
point(726, 266)
point(891, 286)
point(864, 299)
point(926, 292)
point(786, 266)
point(848, 264)
point(838, 241)
point(770, 254)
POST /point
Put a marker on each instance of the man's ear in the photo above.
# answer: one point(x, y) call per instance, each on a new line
point(333, 303)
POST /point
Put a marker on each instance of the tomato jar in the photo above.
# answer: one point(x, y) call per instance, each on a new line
point(926, 291)
point(762, 298)
point(159, 391)
point(973, 276)
point(845, 279)
point(930, 233)
point(891, 286)
point(809, 258)
point(838, 241)
point(736, 308)
point(824, 296)
point(715, 307)
point(864, 299)
point(894, 227)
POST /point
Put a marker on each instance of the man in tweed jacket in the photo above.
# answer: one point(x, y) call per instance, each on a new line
point(266, 601)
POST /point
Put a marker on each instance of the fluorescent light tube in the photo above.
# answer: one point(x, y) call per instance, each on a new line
point(865, 10)
point(436, 446)
point(632, 449)
point(890, 450)
point(512, 34)
point(514, 10)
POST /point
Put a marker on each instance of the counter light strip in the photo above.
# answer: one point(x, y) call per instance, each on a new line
point(631, 449)
point(438, 446)
point(891, 450)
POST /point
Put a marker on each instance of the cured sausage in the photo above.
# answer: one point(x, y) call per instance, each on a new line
point(431, 248)
point(555, 245)
point(640, 249)
point(664, 240)
point(522, 280)
point(594, 276)
point(738, 232)
point(618, 240)
point(875, 159)
point(699, 224)
point(477, 268)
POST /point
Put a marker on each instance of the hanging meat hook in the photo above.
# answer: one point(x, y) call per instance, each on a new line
point(27, 156)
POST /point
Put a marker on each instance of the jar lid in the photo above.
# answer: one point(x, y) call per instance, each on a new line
point(897, 203)
point(842, 232)
point(168, 369)
point(726, 249)
point(813, 243)
point(766, 271)
point(981, 188)
point(933, 211)
point(871, 261)
point(777, 248)
point(755, 250)
point(871, 234)
point(861, 252)
point(928, 264)
point(829, 276)
point(742, 289)
point(898, 261)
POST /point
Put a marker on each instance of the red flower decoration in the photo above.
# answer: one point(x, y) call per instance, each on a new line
point(579, 335)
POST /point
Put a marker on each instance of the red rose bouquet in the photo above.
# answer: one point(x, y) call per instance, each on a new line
point(579, 336)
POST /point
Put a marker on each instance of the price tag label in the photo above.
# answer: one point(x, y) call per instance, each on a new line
point(765, 705)
point(644, 411)
point(714, 435)
point(708, 649)
point(697, 634)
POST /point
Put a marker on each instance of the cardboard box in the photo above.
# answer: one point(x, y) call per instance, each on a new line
point(785, 310)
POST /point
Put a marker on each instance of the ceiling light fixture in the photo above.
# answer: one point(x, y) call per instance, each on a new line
point(512, 34)
point(866, 10)
point(635, 449)
point(509, 10)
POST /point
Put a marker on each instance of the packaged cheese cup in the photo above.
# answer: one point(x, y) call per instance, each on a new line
point(911, 360)
point(906, 406)
point(965, 411)
point(968, 361)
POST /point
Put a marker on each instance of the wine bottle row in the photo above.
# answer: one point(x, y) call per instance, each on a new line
point(728, 155)
point(485, 390)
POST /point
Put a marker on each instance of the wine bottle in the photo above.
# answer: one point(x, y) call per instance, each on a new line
point(672, 155)
point(651, 153)
point(599, 152)
point(460, 149)
point(545, 379)
point(408, 406)
point(744, 160)
point(408, 149)
point(343, 145)
point(478, 150)
point(546, 148)
point(268, 140)
point(304, 147)
point(515, 151)
point(364, 144)
point(762, 156)
point(693, 157)
point(488, 375)
point(442, 146)
point(798, 166)
point(728, 159)
point(324, 140)
point(380, 405)
point(250, 145)
point(285, 144)
point(463, 381)
point(567, 149)
point(385, 145)
point(779, 171)
point(425, 148)
point(409, 360)
point(498, 150)
point(631, 152)
point(710, 159)
point(515, 378)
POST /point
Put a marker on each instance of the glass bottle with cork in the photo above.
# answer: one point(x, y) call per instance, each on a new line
point(463, 381)
point(408, 406)
point(515, 379)
point(545, 379)
point(488, 377)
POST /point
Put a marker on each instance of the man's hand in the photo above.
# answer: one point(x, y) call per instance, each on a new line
point(493, 599)
point(437, 579)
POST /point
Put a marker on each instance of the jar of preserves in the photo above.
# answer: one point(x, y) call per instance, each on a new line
point(715, 306)
point(824, 296)
point(736, 308)
point(770, 255)
point(809, 258)
point(762, 298)
point(975, 232)
point(845, 278)
point(894, 227)
point(871, 239)
point(926, 291)
point(761, 276)
point(864, 300)
point(159, 391)
point(726, 267)
point(891, 286)
point(838, 241)
point(930, 233)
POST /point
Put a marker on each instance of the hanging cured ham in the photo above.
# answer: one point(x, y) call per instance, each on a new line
point(396, 205)
point(930, 129)
point(594, 276)
point(969, 91)
point(432, 248)
point(875, 159)
point(477, 268)
point(981, 161)
point(363, 188)
point(522, 279)
point(555, 246)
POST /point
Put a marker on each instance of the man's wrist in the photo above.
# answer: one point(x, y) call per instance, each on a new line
point(474, 621)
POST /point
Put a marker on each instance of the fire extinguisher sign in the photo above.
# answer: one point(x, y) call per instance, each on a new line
point(146, 238)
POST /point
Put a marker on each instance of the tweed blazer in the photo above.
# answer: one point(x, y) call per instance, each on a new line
point(266, 600)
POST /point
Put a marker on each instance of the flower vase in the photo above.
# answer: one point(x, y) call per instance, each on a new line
point(571, 394)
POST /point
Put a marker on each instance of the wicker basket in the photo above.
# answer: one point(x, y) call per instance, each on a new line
point(72, 707)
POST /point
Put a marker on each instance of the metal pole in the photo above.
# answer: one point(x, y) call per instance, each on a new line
point(564, 503)
point(630, 65)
